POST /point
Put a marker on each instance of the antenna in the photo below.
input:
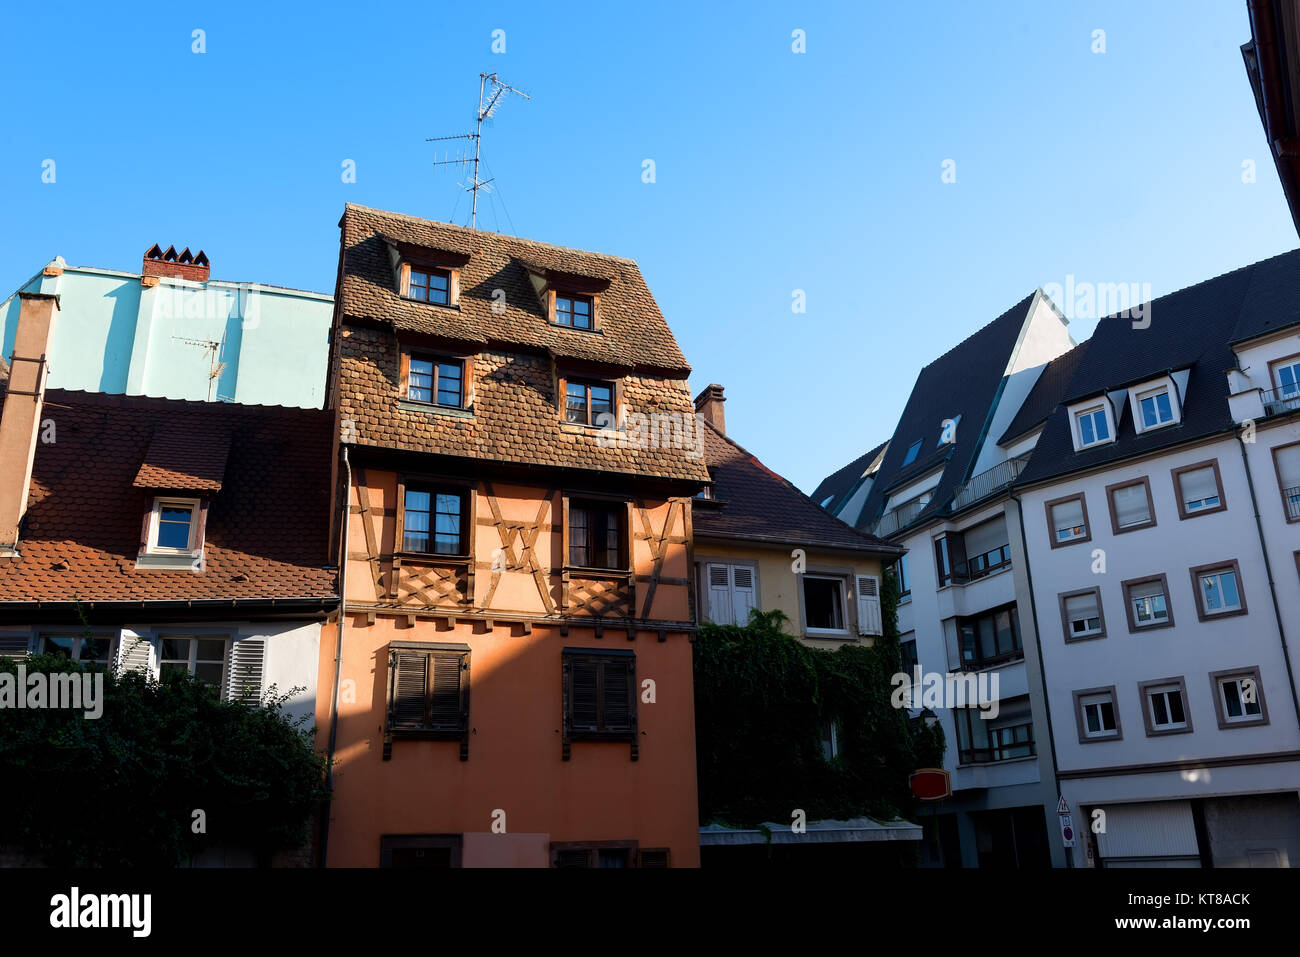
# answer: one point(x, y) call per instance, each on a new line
point(215, 368)
point(496, 91)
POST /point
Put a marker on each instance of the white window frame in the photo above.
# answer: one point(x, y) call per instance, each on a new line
point(194, 640)
point(1090, 411)
point(1218, 574)
point(844, 607)
point(1293, 390)
point(1095, 701)
point(1070, 621)
point(196, 513)
point(1138, 622)
point(1167, 692)
point(1139, 418)
point(1256, 718)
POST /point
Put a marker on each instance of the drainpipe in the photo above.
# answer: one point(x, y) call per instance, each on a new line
point(338, 657)
point(1038, 641)
point(1268, 568)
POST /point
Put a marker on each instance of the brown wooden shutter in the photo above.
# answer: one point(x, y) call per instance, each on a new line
point(403, 374)
point(583, 696)
point(653, 857)
point(409, 707)
point(617, 688)
point(446, 711)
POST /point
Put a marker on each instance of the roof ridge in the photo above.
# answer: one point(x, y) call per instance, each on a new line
point(1000, 316)
point(487, 232)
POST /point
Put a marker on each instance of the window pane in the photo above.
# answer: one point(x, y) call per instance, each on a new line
point(1232, 698)
point(418, 292)
point(415, 524)
point(209, 673)
point(579, 546)
point(822, 607)
point(1176, 707)
point(612, 857)
point(449, 382)
point(1086, 434)
point(211, 649)
point(1160, 714)
point(174, 527)
point(176, 649)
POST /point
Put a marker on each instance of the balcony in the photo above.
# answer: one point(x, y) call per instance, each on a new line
point(895, 519)
point(1280, 401)
point(1004, 744)
point(989, 481)
point(1291, 496)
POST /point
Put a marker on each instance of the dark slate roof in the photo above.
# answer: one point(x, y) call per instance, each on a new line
point(267, 532)
point(838, 486)
point(1271, 302)
point(753, 503)
point(1045, 395)
point(964, 381)
point(1190, 329)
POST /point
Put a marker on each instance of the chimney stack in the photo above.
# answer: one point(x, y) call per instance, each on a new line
point(709, 404)
point(20, 422)
point(179, 265)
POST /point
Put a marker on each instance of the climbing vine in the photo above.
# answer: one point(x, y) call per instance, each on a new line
point(762, 700)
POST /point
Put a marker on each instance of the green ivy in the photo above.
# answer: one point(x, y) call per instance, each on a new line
point(122, 789)
point(761, 698)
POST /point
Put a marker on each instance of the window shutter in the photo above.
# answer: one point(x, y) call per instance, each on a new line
point(1288, 466)
point(447, 711)
point(1146, 590)
point(135, 654)
point(404, 374)
point(618, 688)
point(1131, 506)
point(742, 593)
point(1066, 515)
point(246, 666)
point(653, 857)
point(13, 646)
point(869, 619)
point(408, 706)
point(1082, 607)
point(721, 611)
point(982, 539)
point(952, 645)
point(1198, 485)
point(582, 694)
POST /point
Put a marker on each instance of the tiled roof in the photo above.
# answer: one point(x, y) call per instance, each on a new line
point(515, 412)
point(1190, 329)
point(267, 528)
point(963, 381)
point(185, 461)
point(1270, 303)
point(754, 503)
point(1045, 394)
point(839, 485)
point(632, 333)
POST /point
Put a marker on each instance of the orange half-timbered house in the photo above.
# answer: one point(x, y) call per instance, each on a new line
point(512, 680)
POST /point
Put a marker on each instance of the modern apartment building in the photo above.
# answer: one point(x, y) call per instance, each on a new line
point(1159, 507)
point(512, 685)
point(941, 490)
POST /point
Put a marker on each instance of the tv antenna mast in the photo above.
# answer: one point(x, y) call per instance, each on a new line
point(492, 92)
point(215, 367)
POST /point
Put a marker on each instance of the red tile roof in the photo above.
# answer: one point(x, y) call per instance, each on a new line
point(267, 529)
point(185, 461)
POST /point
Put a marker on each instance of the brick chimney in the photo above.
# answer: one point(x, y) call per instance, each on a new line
point(709, 404)
point(20, 422)
point(179, 265)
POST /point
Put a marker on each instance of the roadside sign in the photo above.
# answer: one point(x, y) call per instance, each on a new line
point(1067, 830)
point(1061, 806)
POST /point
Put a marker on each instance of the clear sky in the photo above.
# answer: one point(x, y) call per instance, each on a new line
point(775, 171)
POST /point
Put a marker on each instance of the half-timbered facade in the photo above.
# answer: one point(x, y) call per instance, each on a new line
point(517, 463)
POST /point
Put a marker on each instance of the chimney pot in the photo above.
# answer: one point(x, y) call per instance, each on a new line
point(182, 265)
point(709, 404)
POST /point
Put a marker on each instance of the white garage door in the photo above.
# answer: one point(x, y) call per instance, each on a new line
point(1161, 834)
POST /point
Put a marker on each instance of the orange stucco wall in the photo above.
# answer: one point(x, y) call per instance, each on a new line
point(515, 761)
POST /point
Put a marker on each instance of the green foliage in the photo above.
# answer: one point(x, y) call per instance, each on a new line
point(761, 700)
point(122, 789)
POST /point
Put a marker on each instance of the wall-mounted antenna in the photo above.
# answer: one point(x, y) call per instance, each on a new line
point(492, 91)
point(215, 367)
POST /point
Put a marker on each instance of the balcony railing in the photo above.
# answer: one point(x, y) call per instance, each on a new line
point(1005, 744)
point(893, 520)
point(1292, 498)
point(1280, 401)
point(989, 481)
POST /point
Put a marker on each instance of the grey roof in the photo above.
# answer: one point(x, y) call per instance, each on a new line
point(1189, 329)
point(1270, 302)
point(839, 485)
point(1045, 395)
point(965, 381)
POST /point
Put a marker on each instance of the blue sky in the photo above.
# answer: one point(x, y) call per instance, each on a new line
point(775, 171)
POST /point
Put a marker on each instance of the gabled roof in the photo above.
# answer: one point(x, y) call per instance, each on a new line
point(267, 528)
point(633, 332)
point(965, 381)
point(1045, 395)
point(1189, 329)
point(1270, 303)
point(839, 485)
point(753, 503)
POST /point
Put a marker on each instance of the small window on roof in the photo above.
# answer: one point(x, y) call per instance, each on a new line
point(430, 285)
point(912, 452)
point(573, 311)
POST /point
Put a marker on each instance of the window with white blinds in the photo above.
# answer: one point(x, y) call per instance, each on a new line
point(1199, 489)
point(986, 537)
point(1132, 510)
point(1148, 604)
point(1067, 521)
point(731, 593)
point(1082, 616)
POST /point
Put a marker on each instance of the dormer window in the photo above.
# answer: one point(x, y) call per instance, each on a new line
point(433, 380)
point(1156, 408)
point(174, 525)
point(912, 452)
point(575, 311)
point(430, 285)
point(586, 400)
point(1092, 426)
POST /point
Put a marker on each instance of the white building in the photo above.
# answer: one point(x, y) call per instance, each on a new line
point(1160, 509)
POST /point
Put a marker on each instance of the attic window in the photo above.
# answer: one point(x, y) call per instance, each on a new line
point(912, 452)
point(1093, 426)
point(586, 401)
point(1156, 408)
point(575, 311)
point(173, 525)
point(430, 285)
